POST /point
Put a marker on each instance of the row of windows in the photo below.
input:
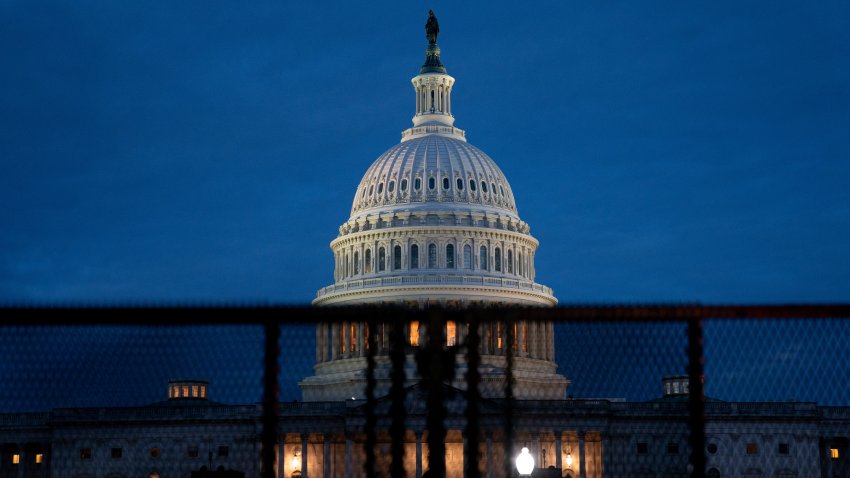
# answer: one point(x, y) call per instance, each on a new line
point(711, 448)
point(38, 458)
point(432, 186)
point(117, 453)
point(187, 391)
point(450, 260)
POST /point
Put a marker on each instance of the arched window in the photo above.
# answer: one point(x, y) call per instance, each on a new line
point(417, 184)
point(432, 183)
point(432, 256)
point(380, 188)
point(459, 184)
point(501, 189)
point(483, 187)
point(356, 262)
point(510, 261)
point(482, 259)
point(391, 187)
point(450, 256)
point(446, 183)
point(403, 185)
point(414, 257)
point(472, 185)
point(467, 256)
point(498, 260)
point(397, 257)
point(367, 259)
point(382, 259)
point(371, 188)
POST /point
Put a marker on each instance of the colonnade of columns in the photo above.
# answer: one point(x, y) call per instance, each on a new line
point(350, 339)
point(586, 463)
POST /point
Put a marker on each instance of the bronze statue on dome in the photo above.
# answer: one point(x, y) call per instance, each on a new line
point(432, 28)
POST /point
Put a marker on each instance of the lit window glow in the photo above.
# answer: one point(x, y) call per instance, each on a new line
point(16, 459)
point(39, 458)
point(414, 333)
point(451, 333)
point(195, 391)
point(833, 453)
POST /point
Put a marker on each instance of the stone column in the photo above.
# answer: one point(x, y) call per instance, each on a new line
point(418, 453)
point(319, 342)
point(582, 469)
point(558, 450)
point(606, 456)
point(535, 442)
point(347, 456)
point(360, 340)
point(522, 330)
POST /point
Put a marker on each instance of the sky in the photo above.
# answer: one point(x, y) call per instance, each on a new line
point(206, 152)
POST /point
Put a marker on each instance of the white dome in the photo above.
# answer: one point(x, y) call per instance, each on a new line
point(433, 172)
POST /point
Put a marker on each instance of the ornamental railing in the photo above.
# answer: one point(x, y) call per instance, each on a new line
point(432, 279)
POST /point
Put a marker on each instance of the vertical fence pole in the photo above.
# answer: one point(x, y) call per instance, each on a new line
point(508, 347)
point(270, 398)
point(371, 383)
point(397, 395)
point(438, 368)
point(696, 395)
point(473, 377)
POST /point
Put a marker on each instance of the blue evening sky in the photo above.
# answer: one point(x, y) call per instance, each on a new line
point(204, 151)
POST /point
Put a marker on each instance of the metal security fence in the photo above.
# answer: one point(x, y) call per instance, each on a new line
point(590, 391)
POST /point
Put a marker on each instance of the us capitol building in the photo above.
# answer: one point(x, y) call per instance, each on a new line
point(434, 222)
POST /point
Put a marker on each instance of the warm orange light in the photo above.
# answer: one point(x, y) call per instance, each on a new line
point(498, 335)
point(203, 391)
point(185, 390)
point(833, 453)
point(451, 333)
point(39, 458)
point(195, 391)
point(414, 333)
point(16, 459)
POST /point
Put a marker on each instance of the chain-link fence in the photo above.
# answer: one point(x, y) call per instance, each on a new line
point(585, 392)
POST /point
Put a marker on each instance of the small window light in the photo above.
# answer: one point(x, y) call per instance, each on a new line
point(833, 453)
point(185, 390)
point(195, 391)
point(446, 183)
point(16, 459)
point(39, 458)
point(203, 391)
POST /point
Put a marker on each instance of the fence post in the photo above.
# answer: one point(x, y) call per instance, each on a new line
point(696, 394)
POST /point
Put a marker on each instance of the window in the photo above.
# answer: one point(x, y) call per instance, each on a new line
point(352, 336)
point(711, 448)
point(391, 187)
point(498, 260)
point(519, 263)
point(380, 188)
point(363, 194)
point(403, 185)
point(155, 452)
point(752, 449)
point(342, 341)
point(414, 257)
point(39, 458)
point(195, 391)
point(192, 452)
point(784, 449)
point(432, 256)
point(185, 391)
point(397, 257)
point(371, 188)
point(445, 183)
point(672, 448)
point(367, 259)
point(483, 187)
point(16, 459)
point(414, 333)
point(203, 391)
point(467, 256)
point(117, 453)
point(510, 261)
point(459, 184)
point(451, 333)
point(432, 183)
point(501, 190)
point(482, 259)
point(525, 336)
point(417, 184)
point(382, 259)
point(450, 256)
point(642, 448)
point(85, 453)
point(472, 185)
point(356, 262)
point(223, 450)
point(833, 453)
point(498, 334)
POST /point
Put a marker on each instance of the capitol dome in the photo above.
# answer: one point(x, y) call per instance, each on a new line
point(434, 222)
